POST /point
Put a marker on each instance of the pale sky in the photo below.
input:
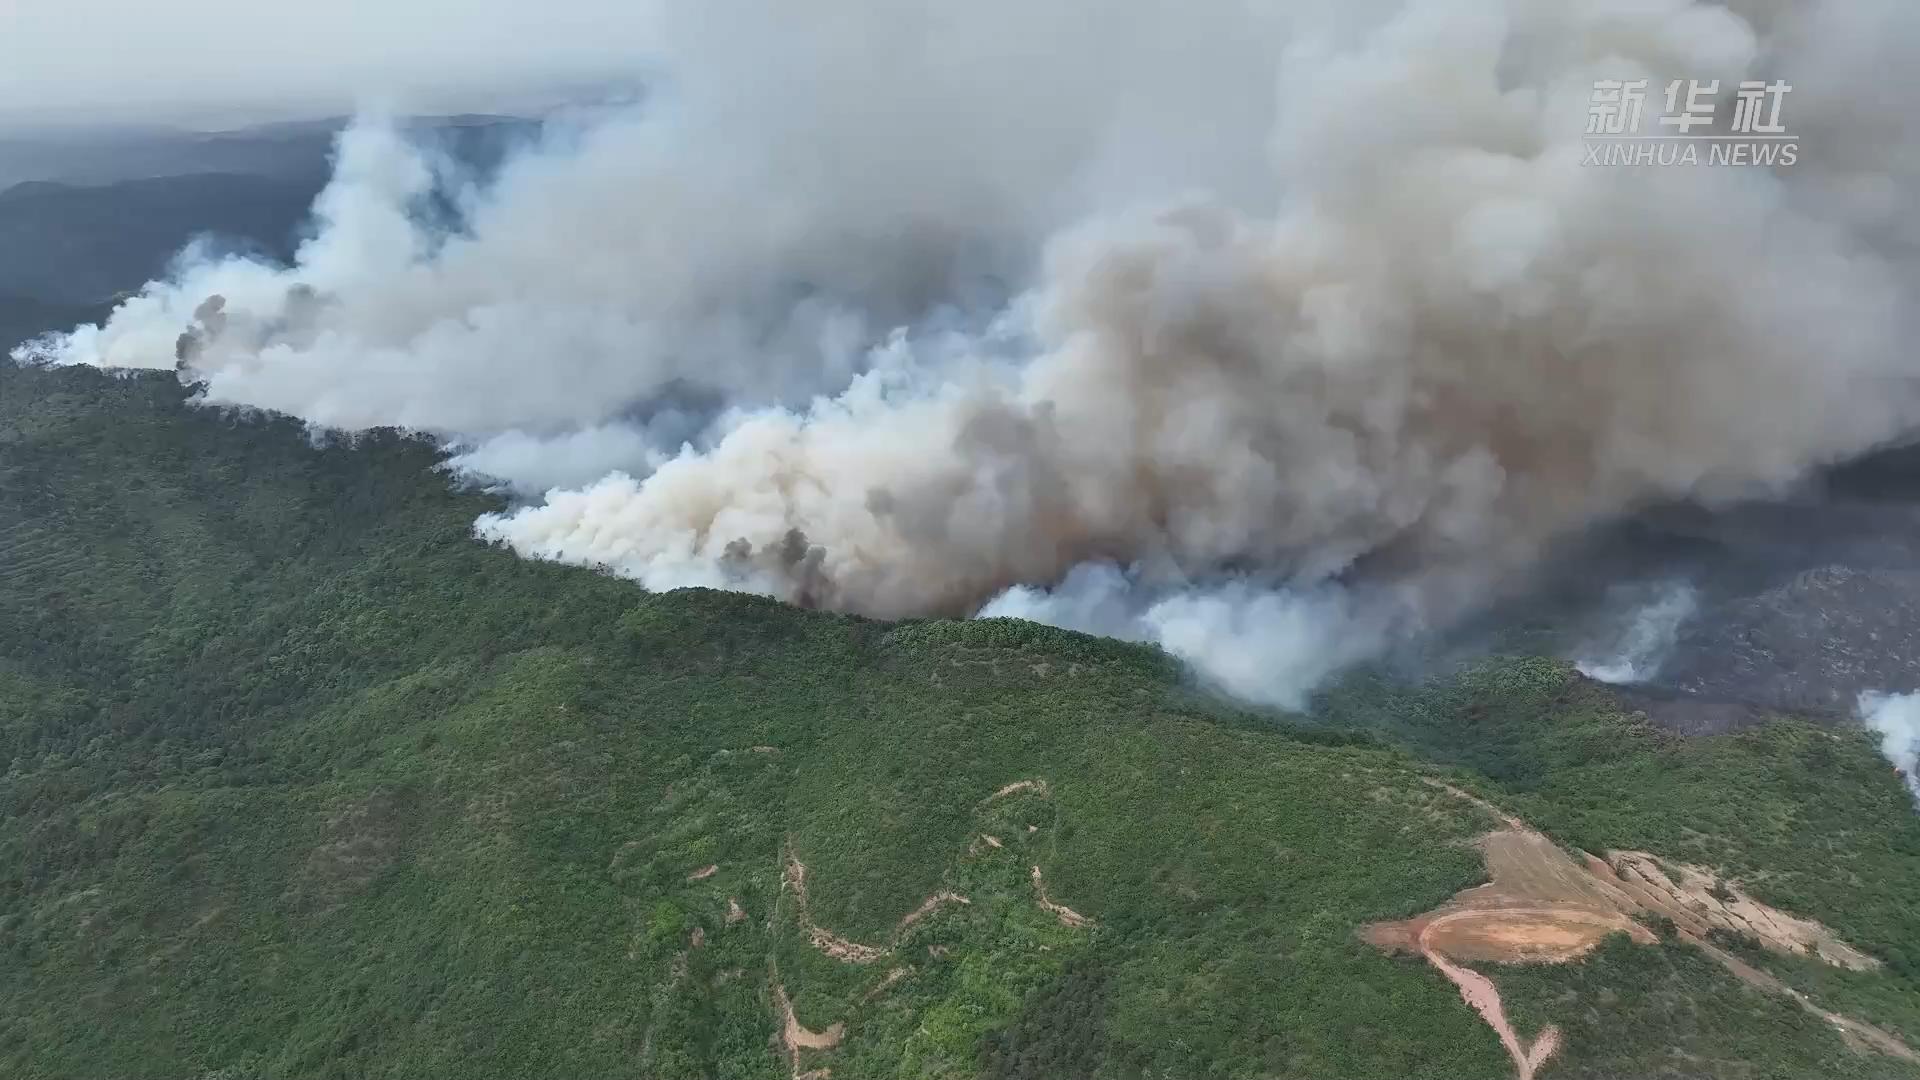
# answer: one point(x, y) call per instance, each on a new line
point(174, 60)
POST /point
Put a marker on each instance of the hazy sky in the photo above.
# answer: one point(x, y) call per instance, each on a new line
point(119, 60)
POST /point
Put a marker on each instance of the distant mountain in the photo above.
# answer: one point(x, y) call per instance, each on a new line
point(87, 220)
point(93, 158)
point(23, 317)
point(62, 244)
point(294, 149)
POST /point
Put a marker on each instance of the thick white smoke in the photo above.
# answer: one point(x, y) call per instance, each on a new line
point(1897, 718)
point(1245, 638)
point(1306, 322)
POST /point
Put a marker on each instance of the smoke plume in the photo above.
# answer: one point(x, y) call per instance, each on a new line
point(1267, 332)
point(1646, 635)
point(1897, 718)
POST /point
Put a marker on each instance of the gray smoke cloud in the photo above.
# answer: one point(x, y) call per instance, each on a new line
point(1243, 636)
point(1271, 333)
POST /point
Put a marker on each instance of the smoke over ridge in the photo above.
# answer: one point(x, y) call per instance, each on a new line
point(1896, 718)
point(1641, 644)
point(1269, 333)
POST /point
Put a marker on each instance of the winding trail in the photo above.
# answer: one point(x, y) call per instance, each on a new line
point(1066, 915)
point(1038, 787)
point(796, 1037)
point(793, 879)
point(927, 907)
point(1479, 992)
point(1854, 1031)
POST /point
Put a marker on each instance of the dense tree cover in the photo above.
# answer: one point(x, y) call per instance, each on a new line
point(300, 780)
point(1061, 1033)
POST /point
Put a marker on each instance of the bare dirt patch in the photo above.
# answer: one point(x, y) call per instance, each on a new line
point(1540, 907)
point(1543, 906)
point(1521, 935)
point(892, 978)
point(1038, 787)
point(1478, 992)
point(982, 842)
point(794, 879)
point(796, 1038)
point(1697, 901)
point(1066, 915)
point(928, 907)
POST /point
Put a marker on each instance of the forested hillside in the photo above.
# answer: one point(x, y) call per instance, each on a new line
point(301, 780)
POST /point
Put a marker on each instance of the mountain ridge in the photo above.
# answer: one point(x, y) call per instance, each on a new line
point(304, 780)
